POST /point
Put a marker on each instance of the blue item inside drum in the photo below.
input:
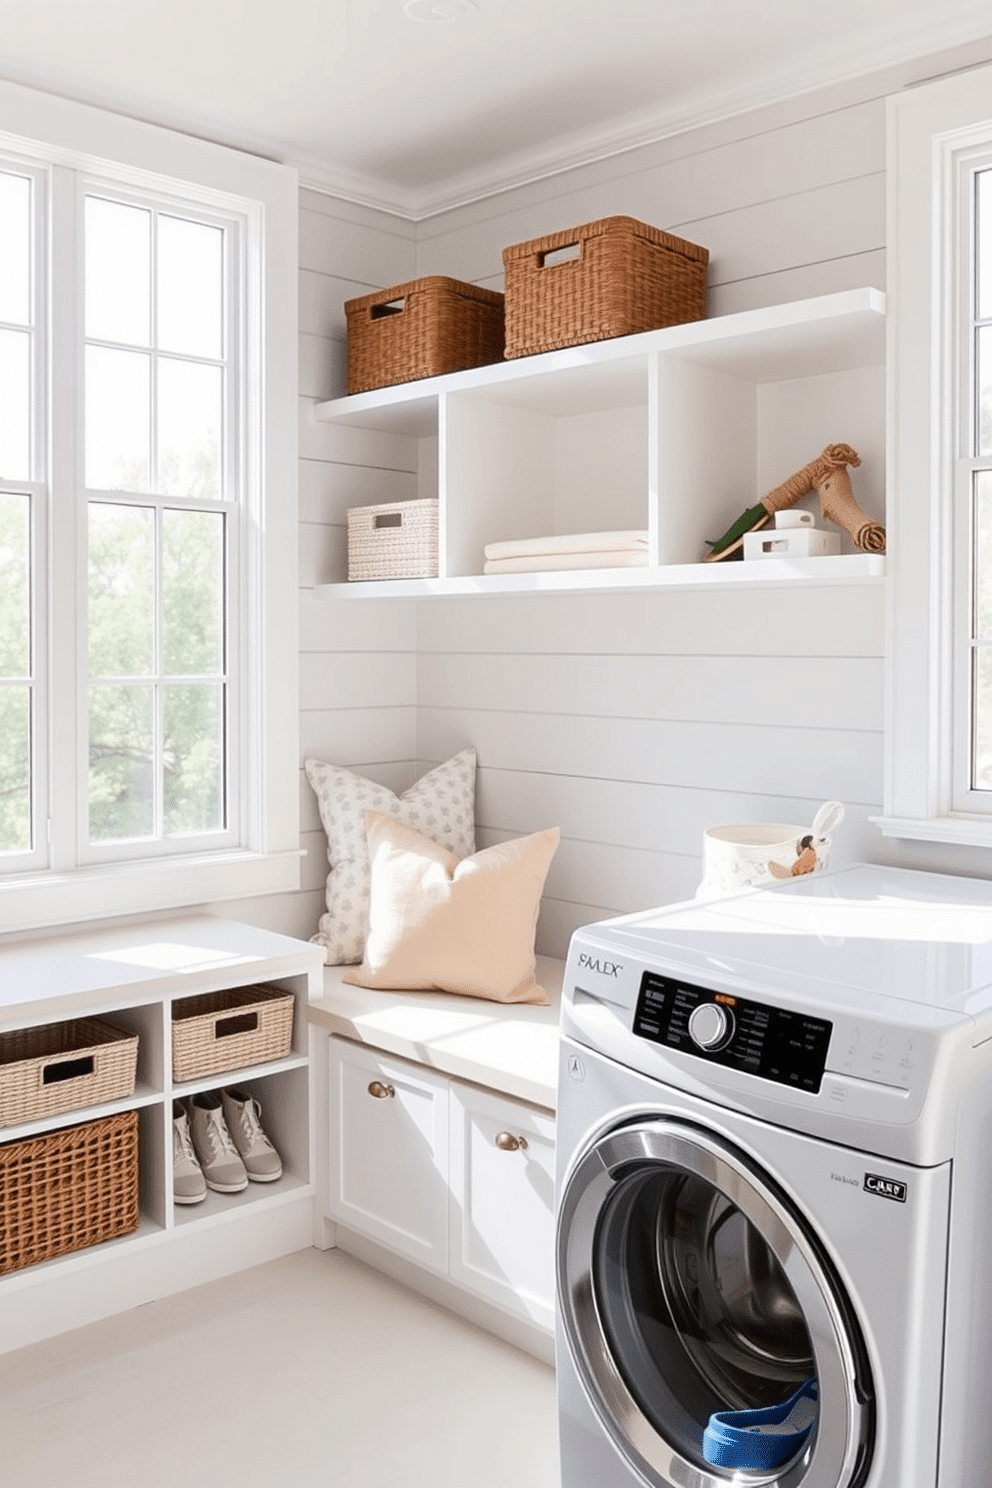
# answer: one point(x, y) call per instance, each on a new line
point(753, 1439)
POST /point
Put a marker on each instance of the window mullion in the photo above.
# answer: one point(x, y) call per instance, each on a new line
point(67, 548)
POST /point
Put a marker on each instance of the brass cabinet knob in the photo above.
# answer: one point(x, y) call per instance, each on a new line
point(381, 1091)
point(507, 1142)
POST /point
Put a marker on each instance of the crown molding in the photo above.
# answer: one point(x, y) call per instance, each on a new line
point(356, 189)
point(930, 51)
point(944, 46)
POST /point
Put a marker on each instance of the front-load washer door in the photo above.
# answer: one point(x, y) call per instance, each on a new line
point(689, 1284)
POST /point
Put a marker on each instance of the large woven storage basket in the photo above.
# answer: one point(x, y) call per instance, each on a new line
point(63, 1066)
point(624, 277)
point(68, 1189)
point(421, 329)
point(396, 540)
point(229, 1030)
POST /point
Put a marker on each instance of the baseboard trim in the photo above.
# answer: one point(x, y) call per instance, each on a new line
point(60, 1295)
point(529, 1337)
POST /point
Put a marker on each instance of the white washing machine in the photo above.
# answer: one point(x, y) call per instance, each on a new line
point(775, 1166)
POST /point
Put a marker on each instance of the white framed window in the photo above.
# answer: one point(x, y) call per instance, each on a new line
point(162, 479)
point(148, 701)
point(939, 507)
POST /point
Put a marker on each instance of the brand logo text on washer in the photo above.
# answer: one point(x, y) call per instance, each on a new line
point(604, 968)
point(885, 1188)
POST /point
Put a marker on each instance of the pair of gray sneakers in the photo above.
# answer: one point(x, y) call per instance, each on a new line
point(218, 1143)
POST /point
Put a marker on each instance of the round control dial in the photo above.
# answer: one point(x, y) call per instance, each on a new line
point(711, 1026)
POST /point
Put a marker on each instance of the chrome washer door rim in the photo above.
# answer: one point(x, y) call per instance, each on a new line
point(838, 1454)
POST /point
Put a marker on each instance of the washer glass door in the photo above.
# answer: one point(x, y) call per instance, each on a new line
point(688, 1286)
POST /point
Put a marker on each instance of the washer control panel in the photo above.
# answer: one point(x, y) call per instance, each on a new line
point(771, 1042)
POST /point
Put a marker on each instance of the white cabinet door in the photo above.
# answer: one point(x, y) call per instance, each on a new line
point(502, 1202)
point(388, 1151)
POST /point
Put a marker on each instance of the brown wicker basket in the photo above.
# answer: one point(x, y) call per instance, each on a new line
point(63, 1066)
point(626, 277)
point(396, 540)
point(228, 1030)
point(68, 1189)
point(421, 329)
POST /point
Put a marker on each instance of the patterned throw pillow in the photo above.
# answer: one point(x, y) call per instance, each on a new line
point(441, 805)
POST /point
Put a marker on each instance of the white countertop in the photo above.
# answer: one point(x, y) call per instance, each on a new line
point(512, 1048)
point(51, 976)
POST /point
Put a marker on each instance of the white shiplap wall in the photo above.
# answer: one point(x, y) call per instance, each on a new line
point(357, 662)
point(635, 720)
point(630, 720)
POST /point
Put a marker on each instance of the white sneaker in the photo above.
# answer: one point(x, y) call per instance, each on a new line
point(219, 1158)
point(188, 1183)
point(243, 1113)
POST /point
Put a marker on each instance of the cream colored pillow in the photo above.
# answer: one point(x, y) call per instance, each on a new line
point(441, 804)
point(440, 924)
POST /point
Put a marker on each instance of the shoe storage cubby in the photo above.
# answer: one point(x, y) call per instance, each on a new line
point(282, 1095)
point(674, 432)
point(131, 978)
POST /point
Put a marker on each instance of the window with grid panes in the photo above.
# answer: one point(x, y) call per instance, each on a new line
point(147, 484)
point(939, 509)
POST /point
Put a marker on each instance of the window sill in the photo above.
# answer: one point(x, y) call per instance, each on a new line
point(965, 831)
point(42, 900)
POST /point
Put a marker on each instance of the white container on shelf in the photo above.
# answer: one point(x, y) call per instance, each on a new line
point(791, 542)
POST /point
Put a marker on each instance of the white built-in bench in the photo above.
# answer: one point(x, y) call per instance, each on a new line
point(437, 1160)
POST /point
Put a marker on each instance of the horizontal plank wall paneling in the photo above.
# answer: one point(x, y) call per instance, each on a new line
point(792, 621)
point(357, 662)
point(635, 721)
point(752, 201)
point(761, 691)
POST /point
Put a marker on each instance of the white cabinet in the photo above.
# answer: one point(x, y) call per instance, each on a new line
point(388, 1150)
point(502, 1201)
point(675, 432)
point(458, 1179)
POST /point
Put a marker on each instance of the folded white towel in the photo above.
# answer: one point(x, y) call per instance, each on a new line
point(548, 562)
point(574, 542)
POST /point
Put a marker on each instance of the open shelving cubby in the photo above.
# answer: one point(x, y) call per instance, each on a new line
point(131, 975)
point(674, 431)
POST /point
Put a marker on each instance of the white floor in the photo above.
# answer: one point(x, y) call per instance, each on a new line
point(310, 1372)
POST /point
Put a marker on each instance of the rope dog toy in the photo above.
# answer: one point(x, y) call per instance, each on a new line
point(828, 476)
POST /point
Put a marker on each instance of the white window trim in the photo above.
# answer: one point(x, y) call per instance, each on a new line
point(114, 147)
point(930, 130)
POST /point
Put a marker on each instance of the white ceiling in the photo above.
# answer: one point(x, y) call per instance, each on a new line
point(417, 116)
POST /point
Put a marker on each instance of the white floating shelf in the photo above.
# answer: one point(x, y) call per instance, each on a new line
point(846, 569)
point(671, 432)
point(800, 339)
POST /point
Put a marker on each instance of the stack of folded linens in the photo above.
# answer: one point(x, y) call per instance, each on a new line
point(574, 550)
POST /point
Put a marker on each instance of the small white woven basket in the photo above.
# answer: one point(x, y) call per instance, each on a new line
point(396, 540)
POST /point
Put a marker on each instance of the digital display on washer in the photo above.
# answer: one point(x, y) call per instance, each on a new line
point(770, 1042)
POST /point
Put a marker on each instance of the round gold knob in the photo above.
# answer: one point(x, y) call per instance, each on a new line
point(507, 1142)
point(381, 1091)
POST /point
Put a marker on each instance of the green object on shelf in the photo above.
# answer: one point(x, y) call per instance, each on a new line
point(755, 516)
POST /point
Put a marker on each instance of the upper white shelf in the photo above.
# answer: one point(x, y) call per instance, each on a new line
point(673, 432)
point(847, 568)
point(802, 339)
